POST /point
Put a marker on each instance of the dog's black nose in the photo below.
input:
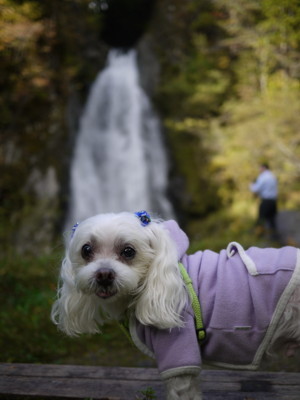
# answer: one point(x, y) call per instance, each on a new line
point(105, 276)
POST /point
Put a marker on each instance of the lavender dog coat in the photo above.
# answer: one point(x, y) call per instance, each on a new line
point(242, 295)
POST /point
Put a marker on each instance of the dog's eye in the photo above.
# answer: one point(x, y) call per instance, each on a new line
point(128, 253)
point(86, 251)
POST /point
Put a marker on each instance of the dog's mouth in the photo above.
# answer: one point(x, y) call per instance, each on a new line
point(106, 294)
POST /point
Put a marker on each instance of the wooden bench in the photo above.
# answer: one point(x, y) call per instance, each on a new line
point(106, 383)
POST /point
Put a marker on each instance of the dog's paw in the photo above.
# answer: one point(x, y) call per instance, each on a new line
point(184, 387)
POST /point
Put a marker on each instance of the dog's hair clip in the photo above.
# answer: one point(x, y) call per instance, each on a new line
point(74, 229)
point(144, 217)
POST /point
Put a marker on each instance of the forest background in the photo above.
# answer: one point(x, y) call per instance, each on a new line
point(224, 77)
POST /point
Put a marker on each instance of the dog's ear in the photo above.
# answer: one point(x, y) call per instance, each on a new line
point(162, 295)
point(74, 312)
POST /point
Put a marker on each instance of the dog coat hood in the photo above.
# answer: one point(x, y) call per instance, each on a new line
point(242, 295)
point(178, 236)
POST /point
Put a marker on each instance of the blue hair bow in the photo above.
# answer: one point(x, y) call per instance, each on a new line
point(144, 217)
point(74, 229)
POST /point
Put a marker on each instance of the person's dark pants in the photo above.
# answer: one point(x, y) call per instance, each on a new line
point(267, 213)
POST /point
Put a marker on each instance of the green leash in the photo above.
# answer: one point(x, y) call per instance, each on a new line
point(195, 303)
point(124, 325)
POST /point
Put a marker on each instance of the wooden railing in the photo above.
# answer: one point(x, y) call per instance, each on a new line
point(119, 383)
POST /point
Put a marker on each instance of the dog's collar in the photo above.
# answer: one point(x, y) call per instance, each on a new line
point(201, 333)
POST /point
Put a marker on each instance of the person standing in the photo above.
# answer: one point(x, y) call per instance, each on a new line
point(266, 187)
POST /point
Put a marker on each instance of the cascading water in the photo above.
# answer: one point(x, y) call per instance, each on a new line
point(119, 161)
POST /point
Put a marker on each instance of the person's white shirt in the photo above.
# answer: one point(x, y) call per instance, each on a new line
point(265, 185)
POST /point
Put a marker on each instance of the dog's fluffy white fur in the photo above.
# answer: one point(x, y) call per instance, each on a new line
point(113, 265)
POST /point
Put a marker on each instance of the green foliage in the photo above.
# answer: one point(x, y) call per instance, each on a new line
point(241, 81)
point(282, 22)
point(190, 146)
point(264, 129)
point(147, 394)
point(195, 80)
point(27, 292)
point(47, 49)
point(260, 121)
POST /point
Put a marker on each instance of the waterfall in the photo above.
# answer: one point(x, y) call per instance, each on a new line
point(119, 161)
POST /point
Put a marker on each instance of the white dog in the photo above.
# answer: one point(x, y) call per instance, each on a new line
point(129, 268)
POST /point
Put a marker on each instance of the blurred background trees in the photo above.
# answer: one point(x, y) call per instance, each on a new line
point(238, 84)
point(224, 76)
